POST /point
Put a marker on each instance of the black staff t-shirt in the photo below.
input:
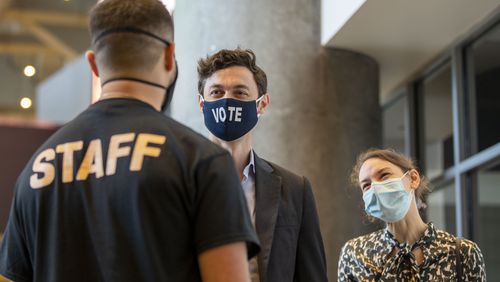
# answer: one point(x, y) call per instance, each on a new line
point(123, 193)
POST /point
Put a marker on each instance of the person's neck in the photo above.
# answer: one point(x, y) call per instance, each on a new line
point(410, 229)
point(135, 90)
point(239, 149)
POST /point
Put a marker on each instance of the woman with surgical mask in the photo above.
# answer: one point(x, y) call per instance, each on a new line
point(408, 249)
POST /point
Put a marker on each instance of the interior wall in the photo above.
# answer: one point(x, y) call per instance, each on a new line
point(17, 145)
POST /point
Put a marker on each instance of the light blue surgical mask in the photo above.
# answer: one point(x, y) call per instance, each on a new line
point(388, 200)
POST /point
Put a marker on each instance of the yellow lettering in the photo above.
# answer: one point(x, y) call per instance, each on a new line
point(92, 162)
point(47, 169)
point(67, 166)
point(115, 151)
point(141, 149)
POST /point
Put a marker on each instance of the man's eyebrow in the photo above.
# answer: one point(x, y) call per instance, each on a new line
point(241, 86)
point(238, 86)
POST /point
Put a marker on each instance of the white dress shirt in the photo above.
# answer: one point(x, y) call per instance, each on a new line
point(248, 185)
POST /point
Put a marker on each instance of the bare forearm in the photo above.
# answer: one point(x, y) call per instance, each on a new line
point(227, 263)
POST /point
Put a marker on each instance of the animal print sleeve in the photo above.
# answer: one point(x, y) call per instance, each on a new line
point(345, 260)
point(473, 262)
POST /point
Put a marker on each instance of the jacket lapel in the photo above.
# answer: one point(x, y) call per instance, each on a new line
point(267, 199)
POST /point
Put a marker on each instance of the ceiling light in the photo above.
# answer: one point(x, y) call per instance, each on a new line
point(29, 70)
point(25, 103)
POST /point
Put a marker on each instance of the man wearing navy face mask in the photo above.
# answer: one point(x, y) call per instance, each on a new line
point(122, 192)
point(232, 96)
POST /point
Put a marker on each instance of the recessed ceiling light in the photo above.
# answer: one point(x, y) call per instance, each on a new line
point(25, 103)
point(29, 70)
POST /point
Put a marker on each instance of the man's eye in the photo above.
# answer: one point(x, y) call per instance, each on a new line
point(365, 187)
point(240, 93)
point(216, 92)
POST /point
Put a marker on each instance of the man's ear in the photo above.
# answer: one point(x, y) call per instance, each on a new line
point(90, 55)
point(200, 102)
point(263, 104)
point(169, 57)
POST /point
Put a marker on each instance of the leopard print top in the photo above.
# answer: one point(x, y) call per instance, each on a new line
point(367, 258)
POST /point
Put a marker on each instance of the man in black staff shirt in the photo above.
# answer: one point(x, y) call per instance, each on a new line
point(233, 94)
point(123, 193)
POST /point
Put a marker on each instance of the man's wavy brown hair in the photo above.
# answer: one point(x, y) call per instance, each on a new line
point(227, 58)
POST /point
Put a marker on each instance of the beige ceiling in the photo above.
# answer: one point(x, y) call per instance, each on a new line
point(46, 34)
point(404, 36)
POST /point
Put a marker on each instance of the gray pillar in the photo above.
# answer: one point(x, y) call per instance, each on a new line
point(324, 102)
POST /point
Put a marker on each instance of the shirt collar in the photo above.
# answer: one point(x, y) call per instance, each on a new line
point(427, 238)
point(250, 165)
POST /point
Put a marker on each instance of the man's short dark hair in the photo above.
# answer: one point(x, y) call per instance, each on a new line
point(228, 58)
point(125, 50)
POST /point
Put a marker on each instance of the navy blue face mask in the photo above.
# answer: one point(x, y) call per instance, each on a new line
point(229, 119)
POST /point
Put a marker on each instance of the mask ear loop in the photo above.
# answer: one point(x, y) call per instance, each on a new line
point(203, 101)
point(404, 174)
point(257, 103)
point(412, 190)
point(258, 100)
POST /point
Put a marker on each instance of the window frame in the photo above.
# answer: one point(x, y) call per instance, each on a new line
point(467, 160)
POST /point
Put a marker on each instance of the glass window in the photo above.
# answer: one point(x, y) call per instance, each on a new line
point(489, 219)
point(441, 208)
point(438, 126)
point(483, 65)
point(395, 124)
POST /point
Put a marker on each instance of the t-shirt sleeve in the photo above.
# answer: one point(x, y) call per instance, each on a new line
point(14, 256)
point(222, 215)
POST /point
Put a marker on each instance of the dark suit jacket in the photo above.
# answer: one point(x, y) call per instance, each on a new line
point(287, 225)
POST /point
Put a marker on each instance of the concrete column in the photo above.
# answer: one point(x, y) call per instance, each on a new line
point(324, 102)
